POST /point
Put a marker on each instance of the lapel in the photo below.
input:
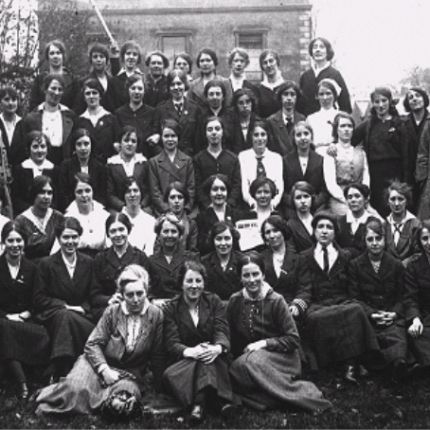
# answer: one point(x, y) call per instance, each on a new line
point(62, 269)
point(295, 166)
point(67, 126)
point(185, 317)
point(171, 111)
point(300, 229)
point(172, 168)
point(312, 164)
point(122, 325)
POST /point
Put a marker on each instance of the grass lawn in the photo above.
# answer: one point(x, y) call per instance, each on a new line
point(375, 403)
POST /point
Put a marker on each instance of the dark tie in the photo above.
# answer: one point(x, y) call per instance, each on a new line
point(325, 259)
point(178, 108)
point(289, 124)
point(261, 171)
point(397, 232)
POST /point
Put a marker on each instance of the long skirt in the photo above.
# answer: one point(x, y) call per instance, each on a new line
point(339, 332)
point(268, 379)
point(68, 331)
point(420, 346)
point(80, 392)
point(187, 377)
point(25, 342)
point(393, 342)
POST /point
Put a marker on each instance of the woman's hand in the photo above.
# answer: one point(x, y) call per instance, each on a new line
point(116, 298)
point(416, 328)
point(255, 346)
point(193, 352)
point(209, 352)
point(294, 310)
point(14, 317)
point(153, 139)
point(77, 309)
point(110, 376)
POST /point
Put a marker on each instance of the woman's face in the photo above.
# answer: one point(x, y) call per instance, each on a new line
point(131, 58)
point(416, 100)
point(206, 64)
point(356, 201)
point(223, 242)
point(53, 93)
point(193, 285)
point(14, 245)
point(273, 236)
point(176, 202)
point(214, 132)
point(324, 232)
point(156, 66)
point(129, 144)
point(215, 97)
point(69, 241)
point(83, 148)
point(302, 137)
point(218, 192)
point(169, 235)
point(55, 57)
point(238, 64)
point(118, 234)
point(170, 139)
point(92, 97)
point(302, 201)
point(425, 240)
point(83, 193)
point(397, 203)
point(252, 279)
point(177, 88)
point(381, 104)
point(263, 196)
point(325, 97)
point(133, 196)
point(289, 99)
point(38, 150)
point(43, 200)
point(244, 105)
point(134, 296)
point(345, 129)
point(319, 51)
point(269, 65)
point(136, 92)
point(182, 64)
point(375, 243)
point(259, 140)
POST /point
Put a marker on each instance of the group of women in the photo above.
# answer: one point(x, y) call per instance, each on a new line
point(222, 232)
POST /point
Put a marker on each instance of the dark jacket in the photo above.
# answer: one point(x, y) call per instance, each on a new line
point(300, 239)
point(155, 92)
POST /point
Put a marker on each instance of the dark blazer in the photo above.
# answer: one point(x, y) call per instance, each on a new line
point(68, 170)
point(268, 102)
point(406, 245)
point(187, 122)
point(282, 137)
point(300, 240)
point(354, 243)
point(155, 92)
point(54, 287)
point(180, 331)
point(162, 172)
point(377, 291)
point(196, 91)
point(33, 121)
point(5, 137)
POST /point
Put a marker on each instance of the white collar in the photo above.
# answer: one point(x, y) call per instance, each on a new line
point(330, 248)
point(317, 70)
point(62, 108)
point(101, 113)
point(116, 159)
point(31, 217)
point(271, 85)
point(15, 120)
point(30, 164)
point(135, 71)
point(407, 217)
point(73, 210)
point(350, 219)
point(265, 289)
point(142, 312)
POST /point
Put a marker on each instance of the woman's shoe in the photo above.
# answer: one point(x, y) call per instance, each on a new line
point(24, 392)
point(197, 414)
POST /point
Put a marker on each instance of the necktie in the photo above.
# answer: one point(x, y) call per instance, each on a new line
point(261, 171)
point(178, 107)
point(325, 259)
point(397, 232)
point(289, 124)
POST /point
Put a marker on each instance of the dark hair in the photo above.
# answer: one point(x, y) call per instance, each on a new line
point(267, 52)
point(79, 133)
point(82, 177)
point(160, 54)
point(170, 218)
point(279, 223)
point(259, 182)
point(214, 118)
point(286, 86)
point(178, 186)
point(220, 227)
point(385, 92)
point(118, 217)
point(127, 130)
point(185, 57)
point(176, 73)
point(402, 188)
point(172, 124)
point(207, 184)
point(38, 136)
point(13, 226)
point(425, 224)
point(38, 184)
point(406, 104)
point(129, 182)
point(53, 77)
point(215, 83)
point(135, 77)
point(328, 84)
point(94, 84)
point(9, 91)
point(209, 52)
point(131, 44)
point(327, 44)
point(239, 51)
point(193, 265)
point(68, 222)
point(362, 188)
point(59, 45)
point(245, 92)
point(336, 122)
point(305, 187)
point(327, 216)
point(100, 49)
point(376, 225)
point(266, 127)
point(251, 257)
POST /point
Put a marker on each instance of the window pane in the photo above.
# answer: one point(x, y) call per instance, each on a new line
point(251, 40)
point(172, 45)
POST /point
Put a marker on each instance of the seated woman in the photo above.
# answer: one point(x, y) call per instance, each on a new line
point(376, 281)
point(260, 162)
point(116, 355)
point(40, 222)
point(22, 341)
point(196, 337)
point(351, 226)
point(36, 165)
point(265, 342)
point(124, 165)
point(110, 262)
point(347, 166)
point(61, 298)
point(401, 225)
point(417, 299)
point(221, 263)
point(300, 223)
point(303, 164)
point(335, 329)
point(167, 260)
point(171, 165)
point(83, 160)
point(142, 234)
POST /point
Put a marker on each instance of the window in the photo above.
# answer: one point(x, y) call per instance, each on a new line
point(172, 43)
point(254, 41)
